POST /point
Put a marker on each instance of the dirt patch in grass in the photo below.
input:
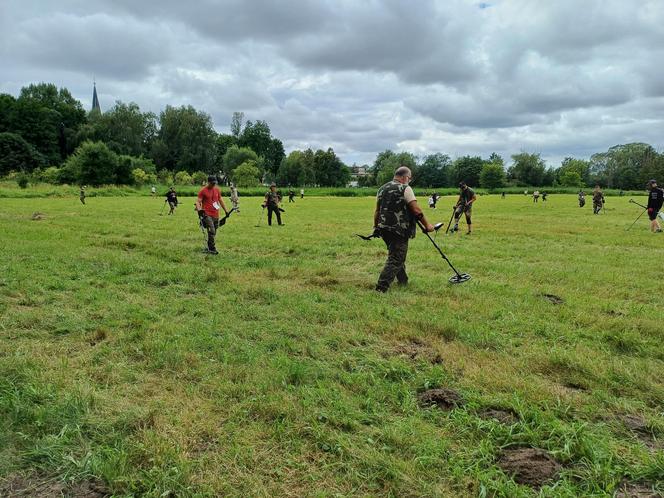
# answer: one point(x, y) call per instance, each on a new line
point(636, 490)
point(642, 430)
point(445, 399)
point(529, 466)
point(507, 417)
point(553, 298)
point(416, 349)
point(37, 216)
point(43, 487)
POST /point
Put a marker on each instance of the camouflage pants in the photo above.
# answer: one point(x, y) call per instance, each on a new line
point(395, 266)
point(597, 207)
point(171, 207)
point(211, 224)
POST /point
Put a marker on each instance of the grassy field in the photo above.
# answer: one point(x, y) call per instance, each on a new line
point(133, 364)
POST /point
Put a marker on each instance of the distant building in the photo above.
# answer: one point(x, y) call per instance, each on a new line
point(95, 99)
point(357, 173)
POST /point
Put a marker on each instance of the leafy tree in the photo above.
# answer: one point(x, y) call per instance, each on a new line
point(492, 176)
point(467, 169)
point(626, 166)
point(527, 169)
point(125, 129)
point(434, 171)
point(570, 178)
point(258, 138)
point(329, 170)
point(186, 140)
point(18, 155)
point(236, 124)
point(388, 162)
point(275, 155)
point(93, 163)
point(22, 180)
point(247, 174)
point(496, 159)
point(237, 155)
point(7, 104)
point(223, 143)
point(580, 166)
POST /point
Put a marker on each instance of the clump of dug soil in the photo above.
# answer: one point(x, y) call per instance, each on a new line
point(529, 466)
point(507, 417)
point(553, 298)
point(636, 490)
point(445, 399)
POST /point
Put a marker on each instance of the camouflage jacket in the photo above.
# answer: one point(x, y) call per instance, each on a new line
point(393, 213)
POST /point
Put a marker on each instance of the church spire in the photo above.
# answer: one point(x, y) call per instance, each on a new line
point(95, 99)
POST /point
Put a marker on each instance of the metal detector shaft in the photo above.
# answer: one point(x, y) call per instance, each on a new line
point(438, 248)
point(449, 224)
point(637, 219)
point(634, 202)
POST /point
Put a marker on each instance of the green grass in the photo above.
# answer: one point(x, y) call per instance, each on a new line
point(274, 369)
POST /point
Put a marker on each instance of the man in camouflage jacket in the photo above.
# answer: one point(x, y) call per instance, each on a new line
point(395, 218)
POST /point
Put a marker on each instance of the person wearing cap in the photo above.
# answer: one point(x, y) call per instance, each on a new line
point(172, 199)
point(655, 201)
point(271, 202)
point(395, 219)
point(208, 204)
point(464, 205)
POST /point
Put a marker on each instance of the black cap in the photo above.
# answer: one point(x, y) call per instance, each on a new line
point(462, 184)
point(652, 182)
point(212, 179)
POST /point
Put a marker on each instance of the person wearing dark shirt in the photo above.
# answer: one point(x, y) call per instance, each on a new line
point(271, 202)
point(172, 199)
point(208, 204)
point(598, 199)
point(464, 205)
point(655, 201)
point(291, 195)
point(544, 194)
point(582, 198)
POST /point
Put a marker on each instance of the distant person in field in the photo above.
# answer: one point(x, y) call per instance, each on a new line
point(172, 199)
point(431, 202)
point(435, 199)
point(235, 198)
point(301, 193)
point(655, 201)
point(395, 218)
point(271, 202)
point(208, 205)
point(153, 191)
point(291, 195)
point(598, 199)
point(544, 194)
point(582, 198)
point(536, 195)
point(81, 195)
point(464, 205)
point(502, 195)
point(525, 192)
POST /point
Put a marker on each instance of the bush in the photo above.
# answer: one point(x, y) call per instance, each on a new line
point(492, 176)
point(139, 176)
point(93, 163)
point(182, 178)
point(22, 180)
point(50, 175)
point(246, 174)
point(199, 178)
point(17, 154)
point(164, 176)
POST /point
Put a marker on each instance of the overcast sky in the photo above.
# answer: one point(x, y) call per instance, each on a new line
point(564, 77)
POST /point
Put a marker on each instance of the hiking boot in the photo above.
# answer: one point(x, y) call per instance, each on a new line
point(214, 252)
point(381, 289)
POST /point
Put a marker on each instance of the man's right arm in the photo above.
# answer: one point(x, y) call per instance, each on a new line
point(419, 215)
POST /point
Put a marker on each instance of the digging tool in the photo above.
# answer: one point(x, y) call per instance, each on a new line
point(449, 224)
point(161, 213)
point(457, 278)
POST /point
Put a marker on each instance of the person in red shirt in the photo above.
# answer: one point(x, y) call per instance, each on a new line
point(208, 204)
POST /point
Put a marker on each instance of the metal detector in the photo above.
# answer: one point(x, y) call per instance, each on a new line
point(161, 213)
point(632, 201)
point(449, 224)
point(458, 278)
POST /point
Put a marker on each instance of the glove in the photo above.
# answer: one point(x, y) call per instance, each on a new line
point(201, 213)
point(651, 210)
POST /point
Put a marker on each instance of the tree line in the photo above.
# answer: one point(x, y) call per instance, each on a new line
point(46, 133)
